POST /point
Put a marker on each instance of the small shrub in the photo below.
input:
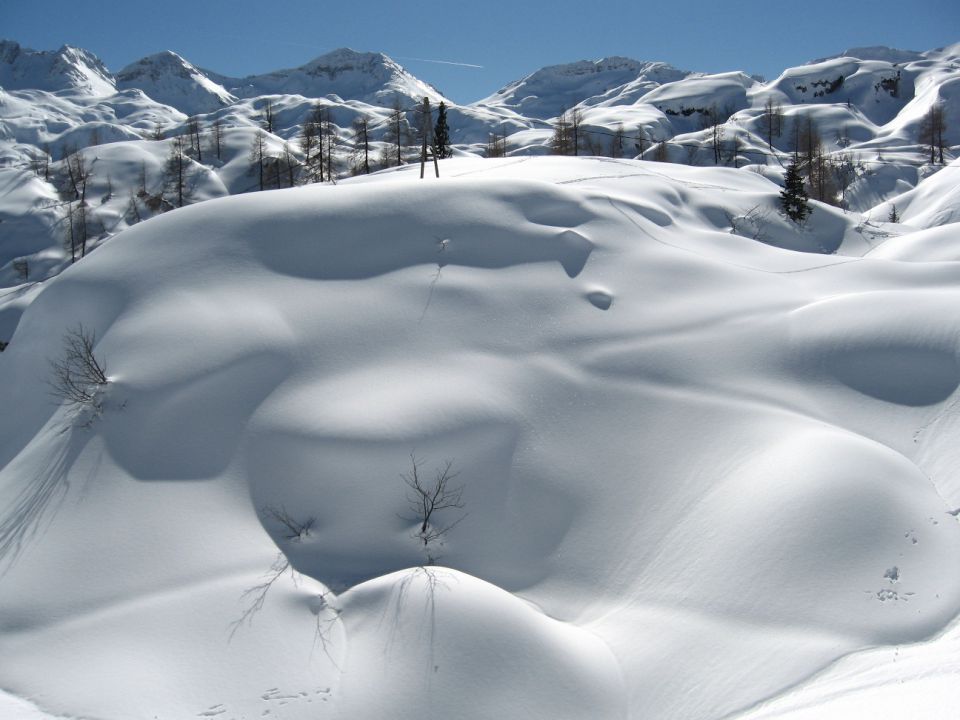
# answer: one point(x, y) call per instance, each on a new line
point(78, 375)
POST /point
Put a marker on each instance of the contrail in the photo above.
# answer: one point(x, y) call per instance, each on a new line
point(439, 62)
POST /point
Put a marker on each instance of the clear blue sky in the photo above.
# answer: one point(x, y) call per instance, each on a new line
point(508, 39)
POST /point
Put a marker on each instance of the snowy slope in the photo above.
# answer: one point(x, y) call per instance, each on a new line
point(697, 469)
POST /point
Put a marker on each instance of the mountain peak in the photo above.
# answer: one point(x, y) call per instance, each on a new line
point(170, 79)
point(69, 68)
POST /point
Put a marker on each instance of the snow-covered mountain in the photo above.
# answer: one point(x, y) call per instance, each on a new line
point(551, 90)
point(68, 68)
point(168, 78)
point(868, 107)
point(371, 78)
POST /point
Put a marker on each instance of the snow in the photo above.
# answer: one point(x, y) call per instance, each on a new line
point(698, 469)
point(707, 456)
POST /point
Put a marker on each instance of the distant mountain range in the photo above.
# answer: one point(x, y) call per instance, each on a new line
point(868, 106)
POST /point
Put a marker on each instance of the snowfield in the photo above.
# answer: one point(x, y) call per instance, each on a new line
point(707, 458)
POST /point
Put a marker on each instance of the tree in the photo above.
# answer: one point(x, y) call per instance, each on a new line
point(496, 143)
point(360, 144)
point(177, 168)
point(576, 122)
point(267, 118)
point(711, 120)
point(562, 141)
point(660, 153)
point(309, 143)
point(441, 134)
point(217, 133)
point(736, 145)
point(258, 155)
point(193, 133)
point(894, 216)
point(331, 141)
point(78, 376)
point(932, 128)
point(290, 165)
point(426, 499)
point(396, 137)
point(617, 141)
point(641, 144)
point(771, 121)
point(793, 197)
point(846, 168)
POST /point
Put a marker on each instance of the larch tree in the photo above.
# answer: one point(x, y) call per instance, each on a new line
point(360, 144)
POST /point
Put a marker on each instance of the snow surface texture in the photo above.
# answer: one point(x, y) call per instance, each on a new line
point(698, 470)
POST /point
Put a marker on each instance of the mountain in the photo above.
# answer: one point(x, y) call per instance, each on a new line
point(68, 68)
point(168, 78)
point(372, 78)
point(551, 90)
point(868, 113)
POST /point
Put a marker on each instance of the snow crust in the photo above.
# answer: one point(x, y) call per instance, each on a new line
point(698, 470)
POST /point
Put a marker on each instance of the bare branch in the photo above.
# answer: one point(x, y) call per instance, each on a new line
point(426, 498)
point(295, 530)
point(78, 375)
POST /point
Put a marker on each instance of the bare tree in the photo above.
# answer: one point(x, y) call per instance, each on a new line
point(396, 136)
point(496, 143)
point(562, 141)
point(217, 134)
point(308, 146)
point(427, 498)
point(932, 128)
point(641, 144)
point(712, 121)
point(771, 121)
point(290, 165)
point(617, 141)
point(293, 529)
point(660, 153)
point(177, 168)
point(360, 144)
point(78, 375)
point(267, 120)
point(258, 155)
point(193, 133)
point(576, 122)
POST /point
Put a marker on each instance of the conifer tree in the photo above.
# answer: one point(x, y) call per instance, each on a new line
point(441, 134)
point(793, 197)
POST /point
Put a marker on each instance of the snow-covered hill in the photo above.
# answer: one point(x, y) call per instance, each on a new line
point(692, 470)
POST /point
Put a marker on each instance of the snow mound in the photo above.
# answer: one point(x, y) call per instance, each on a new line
point(680, 451)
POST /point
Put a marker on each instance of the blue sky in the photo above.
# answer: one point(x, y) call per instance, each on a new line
point(506, 39)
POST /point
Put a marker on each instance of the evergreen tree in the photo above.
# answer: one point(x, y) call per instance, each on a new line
point(441, 134)
point(793, 197)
